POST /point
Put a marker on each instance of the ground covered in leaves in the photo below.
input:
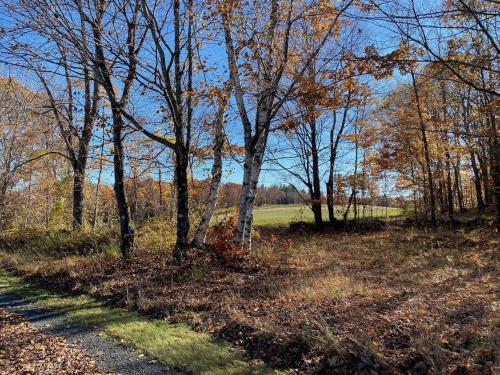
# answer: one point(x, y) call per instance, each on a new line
point(399, 300)
point(25, 350)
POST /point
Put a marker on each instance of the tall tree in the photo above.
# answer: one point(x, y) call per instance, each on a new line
point(222, 97)
point(265, 57)
point(68, 78)
point(118, 99)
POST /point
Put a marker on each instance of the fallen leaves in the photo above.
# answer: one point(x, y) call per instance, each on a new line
point(398, 300)
point(26, 350)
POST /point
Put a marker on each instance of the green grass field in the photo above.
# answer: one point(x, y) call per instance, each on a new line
point(282, 215)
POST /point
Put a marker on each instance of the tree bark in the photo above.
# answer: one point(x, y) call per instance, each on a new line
point(3, 193)
point(432, 199)
point(458, 186)
point(485, 177)
point(98, 183)
point(477, 182)
point(117, 108)
point(449, 189)
point(206, 217)
point(333, 156)
point(78, 196)
point(255, 170)
point(496, 166)
point(181, 179)
point(316, 187)
point(126, 228)
point(254, 156)
point(346, 212)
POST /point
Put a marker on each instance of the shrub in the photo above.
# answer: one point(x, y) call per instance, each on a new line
point(221, 238)
point(49, 242)
point(155, 235)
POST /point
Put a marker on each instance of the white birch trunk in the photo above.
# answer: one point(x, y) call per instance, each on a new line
point(206, 217)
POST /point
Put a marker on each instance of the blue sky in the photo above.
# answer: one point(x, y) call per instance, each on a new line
point(215, 53)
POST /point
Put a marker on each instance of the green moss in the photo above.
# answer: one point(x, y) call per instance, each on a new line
point(175, 345)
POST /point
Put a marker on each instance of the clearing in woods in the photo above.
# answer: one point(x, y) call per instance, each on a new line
point(274, 216)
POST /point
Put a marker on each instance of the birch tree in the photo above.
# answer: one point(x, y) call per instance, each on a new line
point(262, 67)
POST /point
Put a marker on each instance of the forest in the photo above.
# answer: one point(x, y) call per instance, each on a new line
point(249, 186)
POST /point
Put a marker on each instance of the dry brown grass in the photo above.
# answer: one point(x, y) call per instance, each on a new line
point(395, 301)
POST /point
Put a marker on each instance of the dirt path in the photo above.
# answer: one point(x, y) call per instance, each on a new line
point(82, 342)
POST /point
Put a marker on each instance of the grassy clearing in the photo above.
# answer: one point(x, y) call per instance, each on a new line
point(175, 345)
point(282, 215)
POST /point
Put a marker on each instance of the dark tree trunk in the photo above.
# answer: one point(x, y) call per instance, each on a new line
point(329, 201)
point(346, 212)
point(496, 166)
point(449, 188)
point(181, 179)
point(117, 108)
point(485, 176)
point(98, 183)
point(329, 184)
point(477, 183)
point(3, 193)
point(78, 196)
point(441, 197)
point(432, 199)
point(316, 191)
point(126, 228)
point(316, 208)
point(160, 190)
point(333, 156)
point(458, 187)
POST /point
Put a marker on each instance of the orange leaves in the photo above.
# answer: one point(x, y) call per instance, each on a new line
point(382, 66)
point(227, 6)
point(234, 149)
point(221, 238)
point(288, 125)
point(322, 18)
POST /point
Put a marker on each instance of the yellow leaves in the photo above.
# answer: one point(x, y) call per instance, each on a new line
point(351, 137)
point(200, 68)
point(227, 6)
point(322, 18)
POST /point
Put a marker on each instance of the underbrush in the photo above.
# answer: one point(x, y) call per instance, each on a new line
point(155, 235)
point(396, 300)
point(355, 226)
point(40, 242)
point(220, 237)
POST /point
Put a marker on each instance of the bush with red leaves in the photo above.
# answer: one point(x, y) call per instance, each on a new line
point(221, 238)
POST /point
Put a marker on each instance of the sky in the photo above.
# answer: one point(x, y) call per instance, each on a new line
point(371, 33)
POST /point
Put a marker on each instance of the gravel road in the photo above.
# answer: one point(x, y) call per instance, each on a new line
point(109, 353)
